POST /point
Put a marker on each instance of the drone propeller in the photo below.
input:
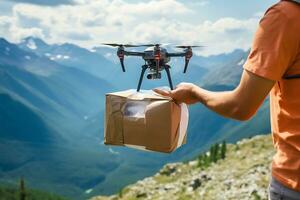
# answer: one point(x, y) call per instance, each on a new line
point(120, 45)
point(149, 45)
point(186, 46)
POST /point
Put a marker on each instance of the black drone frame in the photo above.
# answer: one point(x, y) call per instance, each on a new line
point(155, 63)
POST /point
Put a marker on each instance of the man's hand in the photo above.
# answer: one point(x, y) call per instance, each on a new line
point(183, 93)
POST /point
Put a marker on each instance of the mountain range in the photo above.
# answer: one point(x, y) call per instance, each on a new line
point(52, 116)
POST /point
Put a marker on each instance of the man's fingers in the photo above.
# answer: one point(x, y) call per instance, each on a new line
point(163, 92)
point(168, 94)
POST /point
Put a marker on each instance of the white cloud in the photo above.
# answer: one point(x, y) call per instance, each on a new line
point(46, 3)
point(91, 22)
point(200, 3)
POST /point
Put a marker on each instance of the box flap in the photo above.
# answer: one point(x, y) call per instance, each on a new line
point(143, 94)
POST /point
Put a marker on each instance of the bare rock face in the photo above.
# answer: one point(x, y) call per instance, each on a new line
point(169, 169)
point(243, 174)
point(195, 183)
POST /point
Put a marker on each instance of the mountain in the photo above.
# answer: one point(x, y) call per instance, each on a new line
point(52, 106)
point(66, 100)
point(44, 106)
point(71, 55)
point(227, 70)
point(99, 61)
point(227, 178)
point(31, 127)
point(57, 91)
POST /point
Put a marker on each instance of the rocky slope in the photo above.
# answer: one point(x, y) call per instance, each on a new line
point(243, 174)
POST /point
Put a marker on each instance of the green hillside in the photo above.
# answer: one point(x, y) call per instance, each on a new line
point(13, 193)
point(243, 174)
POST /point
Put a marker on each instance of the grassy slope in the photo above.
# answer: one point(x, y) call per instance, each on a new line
point(243, 174)
point(12, 193)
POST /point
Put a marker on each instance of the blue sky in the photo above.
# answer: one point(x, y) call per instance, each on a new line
point(222, 25)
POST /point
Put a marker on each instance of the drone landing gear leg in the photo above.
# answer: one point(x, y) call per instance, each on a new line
point(167, 68)
point(144, 67)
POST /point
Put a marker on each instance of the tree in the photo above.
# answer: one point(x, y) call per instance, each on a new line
point(217, 153)
point(200, 160)
point(22, 189)
point(223, 150)
point(212, 154)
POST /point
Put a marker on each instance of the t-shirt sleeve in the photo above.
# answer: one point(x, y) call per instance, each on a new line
point(273, 48)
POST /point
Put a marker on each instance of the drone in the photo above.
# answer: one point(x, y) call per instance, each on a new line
point(156, 59)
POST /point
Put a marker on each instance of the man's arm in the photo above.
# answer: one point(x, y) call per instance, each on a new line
point(240, 104)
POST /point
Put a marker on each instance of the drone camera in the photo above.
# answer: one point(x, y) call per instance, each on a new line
point(154, 75)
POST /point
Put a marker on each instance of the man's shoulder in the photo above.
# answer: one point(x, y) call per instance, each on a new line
point(289, 8)
point(285, 13)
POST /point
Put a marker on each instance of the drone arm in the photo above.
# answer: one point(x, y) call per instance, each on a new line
point(181, 54)
point(187, 55)
point(133, 53)
point(122, 53)
point(186, 65)
point(122, 64)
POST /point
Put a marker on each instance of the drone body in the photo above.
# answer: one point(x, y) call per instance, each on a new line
point(151, 59)
point(156, 59)
point(150, 54)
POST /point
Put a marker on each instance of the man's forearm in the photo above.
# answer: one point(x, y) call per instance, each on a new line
point(240, 104)
point(226, 103)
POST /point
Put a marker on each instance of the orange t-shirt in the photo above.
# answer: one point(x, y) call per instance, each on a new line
point(275, 54)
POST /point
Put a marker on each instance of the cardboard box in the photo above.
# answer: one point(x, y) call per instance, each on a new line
point(144, 120)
